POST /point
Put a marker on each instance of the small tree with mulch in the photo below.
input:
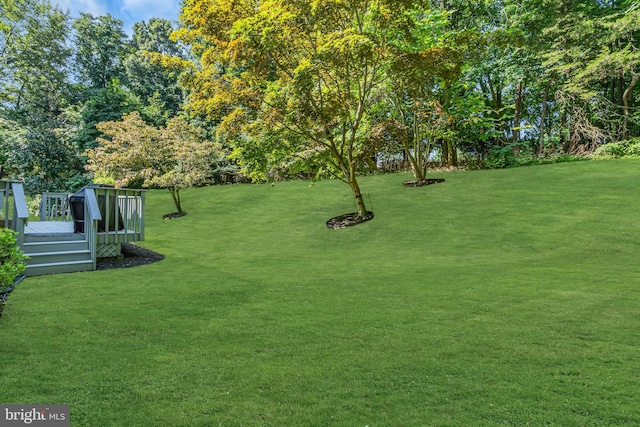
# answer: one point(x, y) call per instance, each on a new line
point(174, 157)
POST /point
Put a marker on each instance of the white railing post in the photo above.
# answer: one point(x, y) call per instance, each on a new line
point(20, 211)
point(91, 217)
point(141, 216)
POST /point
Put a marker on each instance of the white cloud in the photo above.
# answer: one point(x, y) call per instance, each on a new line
point(129, 11)
point(94, 7)
point(168, 9)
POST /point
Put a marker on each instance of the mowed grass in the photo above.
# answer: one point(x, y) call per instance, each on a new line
point(507, 297)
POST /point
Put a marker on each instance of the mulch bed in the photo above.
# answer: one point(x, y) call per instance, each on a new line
point(423, 182)
point(348, 220)
point(173, 215)
point(132, 255)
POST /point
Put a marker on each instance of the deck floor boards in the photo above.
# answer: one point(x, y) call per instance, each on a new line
point(49, 227)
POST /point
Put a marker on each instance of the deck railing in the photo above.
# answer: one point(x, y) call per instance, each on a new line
point(92, 217)
point(13, 205)
point(55, 207)
point(107, 216)
point(122, 215)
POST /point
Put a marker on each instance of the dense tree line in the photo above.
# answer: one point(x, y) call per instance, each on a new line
point(328, 87)
point(61, 77)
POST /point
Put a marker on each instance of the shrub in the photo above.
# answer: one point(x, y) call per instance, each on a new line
point(12, 263)
point(516, 154)
point(630, 148)
point(34, 205)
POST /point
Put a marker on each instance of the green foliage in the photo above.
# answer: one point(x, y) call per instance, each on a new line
point(12, 136)
point(309, 78)
point(317, 88)
point(173, 157)
point(103, 104)
point(101, 45)
point(522, 154)
point(630, 148)
point(47, 161)
point(35, 140)
point(33, 61)
point(565, 158)
point(155, 85)
point(12, 262)
point(424, 67)
point(510, 155)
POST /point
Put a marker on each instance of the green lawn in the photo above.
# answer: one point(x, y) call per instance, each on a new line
point(503, 297)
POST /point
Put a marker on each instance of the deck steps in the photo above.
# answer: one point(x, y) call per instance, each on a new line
point(58, 267)
point(56, 253)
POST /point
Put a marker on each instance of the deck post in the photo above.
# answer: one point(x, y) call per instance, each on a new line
point(20, 212)
point(122, 218)
point(92, 216)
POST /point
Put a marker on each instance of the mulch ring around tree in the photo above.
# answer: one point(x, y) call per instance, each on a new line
point(132, 255)
point(173, 215)
point(348, 220)
point(422, 182)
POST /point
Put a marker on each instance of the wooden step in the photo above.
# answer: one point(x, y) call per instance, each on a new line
point(54, 246)
point(67, 237)
point(58, 267)
point(57, 254)
point(58, 257)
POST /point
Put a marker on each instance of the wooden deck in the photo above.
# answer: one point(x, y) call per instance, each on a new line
point(49, 227)
point(108, 216)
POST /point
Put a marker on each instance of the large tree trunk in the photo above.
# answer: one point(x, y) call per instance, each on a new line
point(444, 161)
point(627, 100)
point(349, 175)
point(357, 195)
point(453, 154)
point(517, 117)
point(543, 116)
point(411, 144)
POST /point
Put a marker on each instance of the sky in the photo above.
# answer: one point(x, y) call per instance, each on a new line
point(129, 11)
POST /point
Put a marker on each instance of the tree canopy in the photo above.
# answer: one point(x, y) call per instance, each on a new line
point(295, 81)
point(325, 88)
point(174, 157)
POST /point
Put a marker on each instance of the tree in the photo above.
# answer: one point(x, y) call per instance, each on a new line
point(292, 78)
point(34, 94)
point(12, 135)
point(155, 85)
point(618, 61)
point(33, 76)
point(134, 153)
point(420, 74)
point(590, 51)
point(103, 104)
point(101, 46)
point(48, 160)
